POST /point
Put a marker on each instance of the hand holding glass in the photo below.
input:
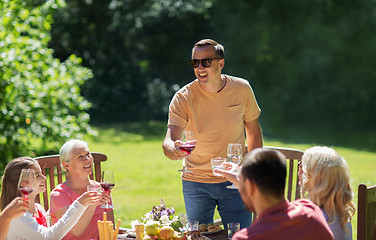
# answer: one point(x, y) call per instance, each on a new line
point(216, 163)
point(107, 184)
point(235, 155)
point(187, 148)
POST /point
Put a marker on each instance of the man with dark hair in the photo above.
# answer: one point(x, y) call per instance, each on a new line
point(219, 109)
point(261, 182)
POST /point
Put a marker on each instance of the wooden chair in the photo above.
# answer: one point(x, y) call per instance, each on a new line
point(366, 212)
point(293, 156)
point(51, 168)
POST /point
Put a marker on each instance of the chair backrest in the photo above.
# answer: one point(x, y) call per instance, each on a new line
point(293, 156)
point(51, 168)
point(366, 212)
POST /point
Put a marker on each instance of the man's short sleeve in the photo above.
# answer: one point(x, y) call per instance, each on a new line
point(252, 110)
point(178, 110)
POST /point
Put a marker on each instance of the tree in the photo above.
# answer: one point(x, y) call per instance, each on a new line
point(138, 51)
point(40, 99)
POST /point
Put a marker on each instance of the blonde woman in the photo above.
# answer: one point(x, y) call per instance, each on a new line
point(324, 179)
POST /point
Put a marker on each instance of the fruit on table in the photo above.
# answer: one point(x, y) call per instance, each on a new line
point(166, 233)
point(152, 228)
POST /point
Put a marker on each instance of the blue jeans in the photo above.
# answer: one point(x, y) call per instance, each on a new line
point(202, 198)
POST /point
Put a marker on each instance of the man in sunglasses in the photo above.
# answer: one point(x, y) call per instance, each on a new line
point(219, 109)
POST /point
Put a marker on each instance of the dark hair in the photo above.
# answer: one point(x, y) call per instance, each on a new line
point(267, 169)
point(218, 48)
point(12, 172)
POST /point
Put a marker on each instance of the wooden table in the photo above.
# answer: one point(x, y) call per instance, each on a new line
point(221, 235)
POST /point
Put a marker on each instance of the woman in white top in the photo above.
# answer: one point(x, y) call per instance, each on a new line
point(324, 179)
point(14, 210)
point(34, 225)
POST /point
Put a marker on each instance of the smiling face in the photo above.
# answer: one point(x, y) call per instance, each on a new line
point(211, 74)
point(80, 161)
point(40, 180)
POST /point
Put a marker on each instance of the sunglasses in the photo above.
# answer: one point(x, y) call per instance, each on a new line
point(206, 62)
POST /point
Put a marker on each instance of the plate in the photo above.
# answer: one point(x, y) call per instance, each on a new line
point(211, 232)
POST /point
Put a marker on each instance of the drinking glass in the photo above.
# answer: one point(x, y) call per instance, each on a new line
point(94, 187)
point(232, 228)
point(235, 155)
point(192, 226)
point(187, 148)
point(26, 182)
point(216, 163)
point(107, 183)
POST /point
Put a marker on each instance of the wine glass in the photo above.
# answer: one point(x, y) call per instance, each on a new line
point(235, 155)
point(107, 183)
point(26, 182)
point(186, 147)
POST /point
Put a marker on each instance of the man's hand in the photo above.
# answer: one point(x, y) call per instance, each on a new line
point(231, 171)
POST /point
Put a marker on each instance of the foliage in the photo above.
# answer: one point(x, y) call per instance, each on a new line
point(39, 95)
point(132, 46)
point(309, 62)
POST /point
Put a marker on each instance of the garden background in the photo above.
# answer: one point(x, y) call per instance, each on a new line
point(106, 71)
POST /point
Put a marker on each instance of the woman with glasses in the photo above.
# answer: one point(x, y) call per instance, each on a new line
point(324, 179)
point(34, 223)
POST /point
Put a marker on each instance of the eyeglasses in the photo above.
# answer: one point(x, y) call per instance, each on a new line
point(206, 62)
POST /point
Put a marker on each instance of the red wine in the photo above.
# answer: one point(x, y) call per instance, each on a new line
point(107, 186)
point(26, 191)
point(187, 148)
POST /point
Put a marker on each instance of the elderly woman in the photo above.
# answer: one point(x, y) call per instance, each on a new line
point(324, 179)
point(77, 161)
point(33, 224)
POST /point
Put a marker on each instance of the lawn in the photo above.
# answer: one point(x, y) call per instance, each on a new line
point(144, 175)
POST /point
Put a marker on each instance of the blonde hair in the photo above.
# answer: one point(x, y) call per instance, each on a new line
point(326, 182)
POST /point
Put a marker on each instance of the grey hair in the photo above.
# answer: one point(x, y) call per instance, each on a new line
point(67, 148)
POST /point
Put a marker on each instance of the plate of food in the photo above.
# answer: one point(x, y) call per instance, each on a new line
point(208, 229)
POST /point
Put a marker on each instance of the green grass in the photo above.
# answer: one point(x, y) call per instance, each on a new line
point(144, 175)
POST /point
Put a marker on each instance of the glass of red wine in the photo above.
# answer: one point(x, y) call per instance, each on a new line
point(107, 183)
point(186, 147)
point(26, 182)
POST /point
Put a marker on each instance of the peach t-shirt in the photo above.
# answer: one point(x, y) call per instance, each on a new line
point(63, 196)
point(216, 119)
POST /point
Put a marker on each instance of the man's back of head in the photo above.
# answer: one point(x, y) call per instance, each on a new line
point(267, 169)
point(262, 186)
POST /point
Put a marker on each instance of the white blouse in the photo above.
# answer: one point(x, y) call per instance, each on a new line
point(26, 227)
